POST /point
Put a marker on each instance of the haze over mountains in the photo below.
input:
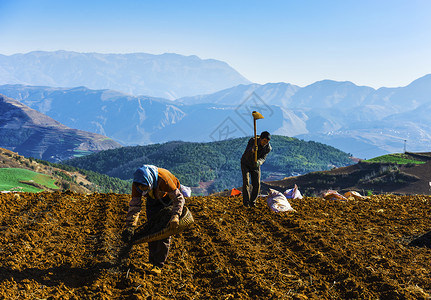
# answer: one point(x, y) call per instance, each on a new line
point(356, 119)
point(167, 75)
point(142, 120)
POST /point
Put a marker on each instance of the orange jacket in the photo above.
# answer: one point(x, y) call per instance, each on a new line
point(167, 185)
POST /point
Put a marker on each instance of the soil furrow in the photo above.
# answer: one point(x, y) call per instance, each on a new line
point(61, 245)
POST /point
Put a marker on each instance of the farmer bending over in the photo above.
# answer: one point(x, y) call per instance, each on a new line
point(252, 168)
point(161, 189)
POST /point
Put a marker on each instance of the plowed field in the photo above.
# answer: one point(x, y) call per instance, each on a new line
point(64, 245)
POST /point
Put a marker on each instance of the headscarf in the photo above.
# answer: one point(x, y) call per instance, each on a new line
point(146, 175)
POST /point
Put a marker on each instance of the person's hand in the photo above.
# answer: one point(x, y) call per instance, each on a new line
point(174, 222)
point(257, 164)
point(127, 234)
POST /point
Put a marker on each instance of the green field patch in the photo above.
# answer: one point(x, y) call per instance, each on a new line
point(397, 158)
point(81, 153)
point(22, 180)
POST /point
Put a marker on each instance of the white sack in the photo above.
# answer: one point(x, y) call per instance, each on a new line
point(333, 195)
point(186, 191)
point(277, 202)
point(293, 193)
point(354, 195)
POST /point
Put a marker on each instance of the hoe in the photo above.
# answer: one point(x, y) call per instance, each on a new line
point(256, 116)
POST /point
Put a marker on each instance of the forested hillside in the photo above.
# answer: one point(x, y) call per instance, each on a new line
point(216, 162)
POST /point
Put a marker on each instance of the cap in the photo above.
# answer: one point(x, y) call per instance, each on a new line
point(265, 135)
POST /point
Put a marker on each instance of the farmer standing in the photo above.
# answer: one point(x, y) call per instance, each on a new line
point(161, 189)
point(250, 167)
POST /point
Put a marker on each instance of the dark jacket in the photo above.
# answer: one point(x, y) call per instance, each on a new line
point(247, 158)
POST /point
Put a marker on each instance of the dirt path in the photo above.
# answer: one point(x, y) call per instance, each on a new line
point(64, 245)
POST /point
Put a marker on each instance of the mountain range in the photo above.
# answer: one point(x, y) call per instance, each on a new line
point(140, 120)
point(356, 119)
point(33, 134)
point(167, 75)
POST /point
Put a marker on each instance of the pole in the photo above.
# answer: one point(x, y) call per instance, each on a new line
point(255, 141)
point(256, 115)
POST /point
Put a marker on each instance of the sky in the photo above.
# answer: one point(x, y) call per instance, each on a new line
point(376, 43)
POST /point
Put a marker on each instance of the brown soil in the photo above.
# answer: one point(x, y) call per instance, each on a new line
point(63, 246)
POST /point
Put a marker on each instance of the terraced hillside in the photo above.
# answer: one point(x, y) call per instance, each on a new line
point(63, 246)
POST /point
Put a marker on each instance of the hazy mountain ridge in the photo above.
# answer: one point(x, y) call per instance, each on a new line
point(167, 75)
point(273, 93)
point(136, 120)
point(127, 119)
point(33, 134)
point(356, 119)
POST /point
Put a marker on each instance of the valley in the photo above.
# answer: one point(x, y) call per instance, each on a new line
point(355, 119)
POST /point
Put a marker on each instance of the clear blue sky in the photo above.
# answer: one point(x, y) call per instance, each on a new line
point(378, 43)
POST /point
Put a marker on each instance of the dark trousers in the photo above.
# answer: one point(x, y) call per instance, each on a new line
point(158, 250)
point(254, 173)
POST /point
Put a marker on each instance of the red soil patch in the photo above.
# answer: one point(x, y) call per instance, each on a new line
point(62, 246)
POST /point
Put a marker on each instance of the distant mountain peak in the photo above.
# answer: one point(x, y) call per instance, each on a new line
point(167, 75)
point(424, 81)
